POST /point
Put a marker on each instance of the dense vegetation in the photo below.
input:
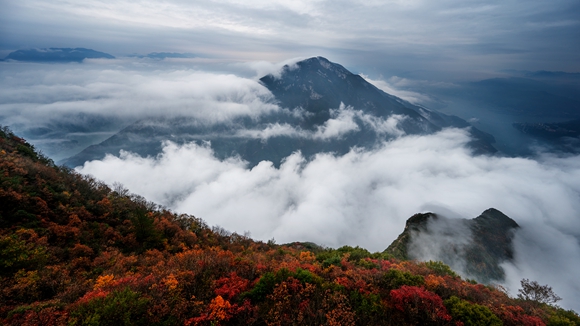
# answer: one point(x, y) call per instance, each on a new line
point(75, 252)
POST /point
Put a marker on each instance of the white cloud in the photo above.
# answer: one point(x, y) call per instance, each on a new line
point(546, 254)
point(342, 121)
point(274, 130)
point(446, 240)
point(410, 96)
point(364, 197)
point(78, 105)
point(263, 68)
point(33, 94)
point(389, 126)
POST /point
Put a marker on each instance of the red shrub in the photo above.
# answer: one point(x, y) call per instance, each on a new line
point(230, 287)
point(515, 315)
point(419, 306)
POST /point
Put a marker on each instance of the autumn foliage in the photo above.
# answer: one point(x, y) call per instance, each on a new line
point(75, 252)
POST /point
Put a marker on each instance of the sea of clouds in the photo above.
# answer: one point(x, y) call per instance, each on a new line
point(364, 197)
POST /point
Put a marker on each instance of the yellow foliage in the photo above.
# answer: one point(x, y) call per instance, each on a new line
point(27, 278)
point(171, 282)
point(103, 281)
point(307, 256)
point(218, 308)
point(433, 281)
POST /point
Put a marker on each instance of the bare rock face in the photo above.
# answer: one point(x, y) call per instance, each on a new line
point(475, 248)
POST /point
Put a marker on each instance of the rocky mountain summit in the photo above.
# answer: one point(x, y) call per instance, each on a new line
point(475, 247)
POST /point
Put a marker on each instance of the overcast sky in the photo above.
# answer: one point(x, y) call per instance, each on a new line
point(386, 37)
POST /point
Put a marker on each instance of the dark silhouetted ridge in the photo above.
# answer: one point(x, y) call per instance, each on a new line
point(57, 55)
point(490, 242)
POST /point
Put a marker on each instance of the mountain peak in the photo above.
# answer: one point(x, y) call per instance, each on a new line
point(318, 85)
point(496, 219)
point(480, 244)
point(326, 64)
point(318, 65)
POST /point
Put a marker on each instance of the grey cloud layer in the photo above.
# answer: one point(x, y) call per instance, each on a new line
point(418, 34)
point(364, 197)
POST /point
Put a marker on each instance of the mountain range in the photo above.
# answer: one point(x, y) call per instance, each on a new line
point(523, 111)
point(79, 54)
point(562, 136)
point(325, 108)
point(57, 55)
point(164, 55)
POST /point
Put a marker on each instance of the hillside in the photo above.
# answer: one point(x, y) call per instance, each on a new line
point(75, 252)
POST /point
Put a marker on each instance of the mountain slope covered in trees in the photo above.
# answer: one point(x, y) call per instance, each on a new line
point(75, 252)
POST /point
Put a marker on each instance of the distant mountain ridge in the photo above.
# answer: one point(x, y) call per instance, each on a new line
point(57, 55)
point(316, 96)
point(164, 55)
point(486, 242)
point(564, 136)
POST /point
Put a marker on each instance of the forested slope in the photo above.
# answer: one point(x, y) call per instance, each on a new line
point(75, 252)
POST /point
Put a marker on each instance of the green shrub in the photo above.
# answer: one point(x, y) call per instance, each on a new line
point(145, 231)
point(471, 314)
point(367, 264)
point(355, 254)
point(304, 276)
point(17, 254)
point(563, 317)
point(27, 151)
point(269, 280)
point(368, 307)
point(118, 308)
point(560, 321)
point(334, 260)
point(440, 268)
point(395, 278)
